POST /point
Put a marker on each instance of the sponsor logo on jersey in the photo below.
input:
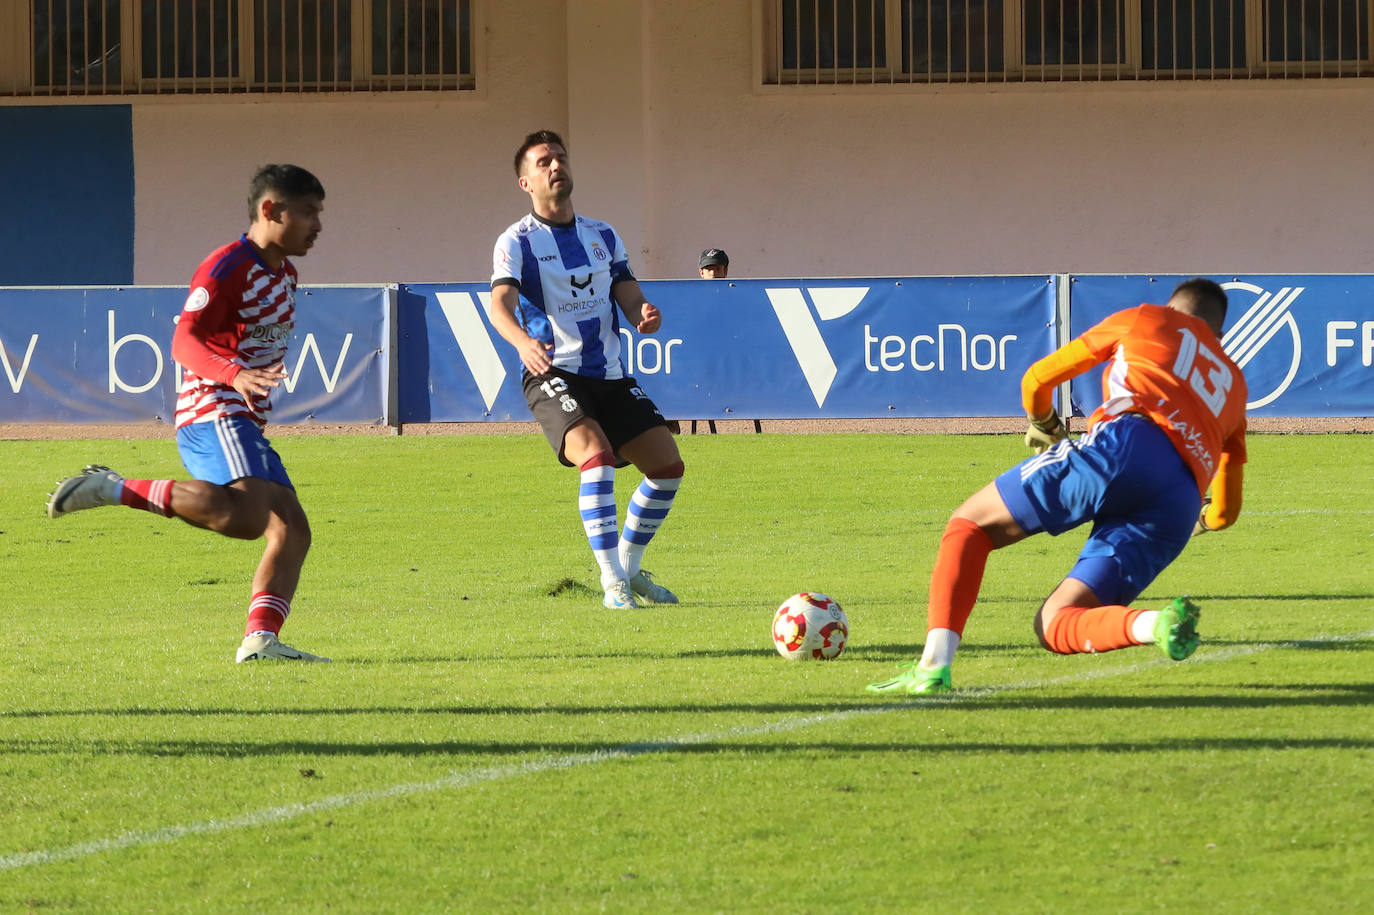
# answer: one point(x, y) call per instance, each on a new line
point(271, 333)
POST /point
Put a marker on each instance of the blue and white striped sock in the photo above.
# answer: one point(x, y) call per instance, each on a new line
point(648, 507)
point(596, 502)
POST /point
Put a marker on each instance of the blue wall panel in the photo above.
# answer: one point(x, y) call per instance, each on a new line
point(924, 346)
point(69, 195)
point(104, 356)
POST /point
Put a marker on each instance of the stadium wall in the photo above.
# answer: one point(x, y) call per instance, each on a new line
point(677, 143)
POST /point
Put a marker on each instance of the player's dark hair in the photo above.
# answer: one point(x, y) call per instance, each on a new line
point(538, 138)
point(290, 181)
point(1209, 299)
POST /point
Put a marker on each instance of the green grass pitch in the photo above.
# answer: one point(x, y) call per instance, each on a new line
point(489, 738)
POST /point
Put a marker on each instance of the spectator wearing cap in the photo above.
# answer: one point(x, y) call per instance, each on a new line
point(714, 264)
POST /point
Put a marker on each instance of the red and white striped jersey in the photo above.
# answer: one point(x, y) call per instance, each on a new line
point(239, 315)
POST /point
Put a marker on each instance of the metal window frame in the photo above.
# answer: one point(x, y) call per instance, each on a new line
point(365, 78)
point(826, 76)
point(769, 70)
point(17, 59)
point(1306, 68)
point(132, 25)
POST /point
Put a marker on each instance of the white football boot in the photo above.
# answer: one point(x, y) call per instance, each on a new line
point(643, 585)
point(619, 596)
point(264, 646)
point(93, 487)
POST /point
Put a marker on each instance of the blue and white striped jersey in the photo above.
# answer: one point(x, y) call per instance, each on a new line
point(564, 275)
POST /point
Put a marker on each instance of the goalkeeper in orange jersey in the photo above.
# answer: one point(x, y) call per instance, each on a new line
point(1172, 424)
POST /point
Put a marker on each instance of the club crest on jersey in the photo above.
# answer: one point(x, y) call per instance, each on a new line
point(568, 403)
point(599, 252)
point(197, 300)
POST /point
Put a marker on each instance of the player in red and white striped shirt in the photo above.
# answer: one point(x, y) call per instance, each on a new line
point(231, 342)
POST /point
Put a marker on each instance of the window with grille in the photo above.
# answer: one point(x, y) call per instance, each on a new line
point(88, 47)
point(848, 42)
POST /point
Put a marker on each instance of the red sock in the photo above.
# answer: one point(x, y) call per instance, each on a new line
point(1079, 630)
point(150, 495)
point(267, 612)
point(958, 575)
point(600, 459)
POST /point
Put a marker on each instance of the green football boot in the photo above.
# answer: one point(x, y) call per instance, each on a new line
point(1176, 628)
point(915, 679)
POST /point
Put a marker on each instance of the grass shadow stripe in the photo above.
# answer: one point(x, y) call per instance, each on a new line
point(285, 812)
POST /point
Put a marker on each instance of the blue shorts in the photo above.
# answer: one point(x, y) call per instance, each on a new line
point(229, 448)
point(1128, 479)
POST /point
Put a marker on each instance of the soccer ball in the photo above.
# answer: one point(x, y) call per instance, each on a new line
point(810, 626)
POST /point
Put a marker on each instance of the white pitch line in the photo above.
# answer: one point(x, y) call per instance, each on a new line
point(280, 814)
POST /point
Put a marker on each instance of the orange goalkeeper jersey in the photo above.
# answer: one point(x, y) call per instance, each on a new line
point(1166, 365)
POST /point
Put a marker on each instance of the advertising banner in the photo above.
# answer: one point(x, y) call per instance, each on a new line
point(929, 346)
point(1304, 342)
point(103, 355)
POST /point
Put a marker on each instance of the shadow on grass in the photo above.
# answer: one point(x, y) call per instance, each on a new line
point(306, 748)
point(1305, 644)
point(1247, 598)
point(1265, 696)
point(881, 652)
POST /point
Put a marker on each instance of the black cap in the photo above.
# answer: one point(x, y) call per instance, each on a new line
point(713, 256)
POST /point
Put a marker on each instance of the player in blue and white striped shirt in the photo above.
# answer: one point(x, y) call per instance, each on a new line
point(559, 285)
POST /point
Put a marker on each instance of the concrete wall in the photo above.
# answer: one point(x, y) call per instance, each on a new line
point(675, 143)
point(1247, 176)
point(417, 186)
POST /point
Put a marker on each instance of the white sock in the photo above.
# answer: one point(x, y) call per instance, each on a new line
point(940, 647)
point(1143, 629)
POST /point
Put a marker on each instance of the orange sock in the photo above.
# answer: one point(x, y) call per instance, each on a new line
point(1080, 630)
point(958, 575)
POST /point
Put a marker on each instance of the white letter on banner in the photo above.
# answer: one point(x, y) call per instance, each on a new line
point(916, 363)
point(627, 349)
point(473, 341)
point(115, 380)
point(662, 360)
point(310, 346)
point(963, 345)
point(888, 353)
point(805, 339)
point(1367, 343)
point(1002, 350)
point(1333, 342)
point(17, 381)
point(992, 352)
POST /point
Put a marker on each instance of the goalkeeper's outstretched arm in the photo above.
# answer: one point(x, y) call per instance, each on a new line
point(1037, 389)
point(1222, 506)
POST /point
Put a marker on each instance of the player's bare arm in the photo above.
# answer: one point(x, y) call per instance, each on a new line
point(534, 355)
point(645, 317)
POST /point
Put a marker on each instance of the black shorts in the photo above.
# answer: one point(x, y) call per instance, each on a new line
point(561, 399)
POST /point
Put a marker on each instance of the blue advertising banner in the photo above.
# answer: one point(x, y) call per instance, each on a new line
point(103, 355)
point(1304, 342)
point(929, 346)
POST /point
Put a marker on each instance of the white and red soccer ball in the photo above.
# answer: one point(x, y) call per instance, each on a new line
point(810, 625)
